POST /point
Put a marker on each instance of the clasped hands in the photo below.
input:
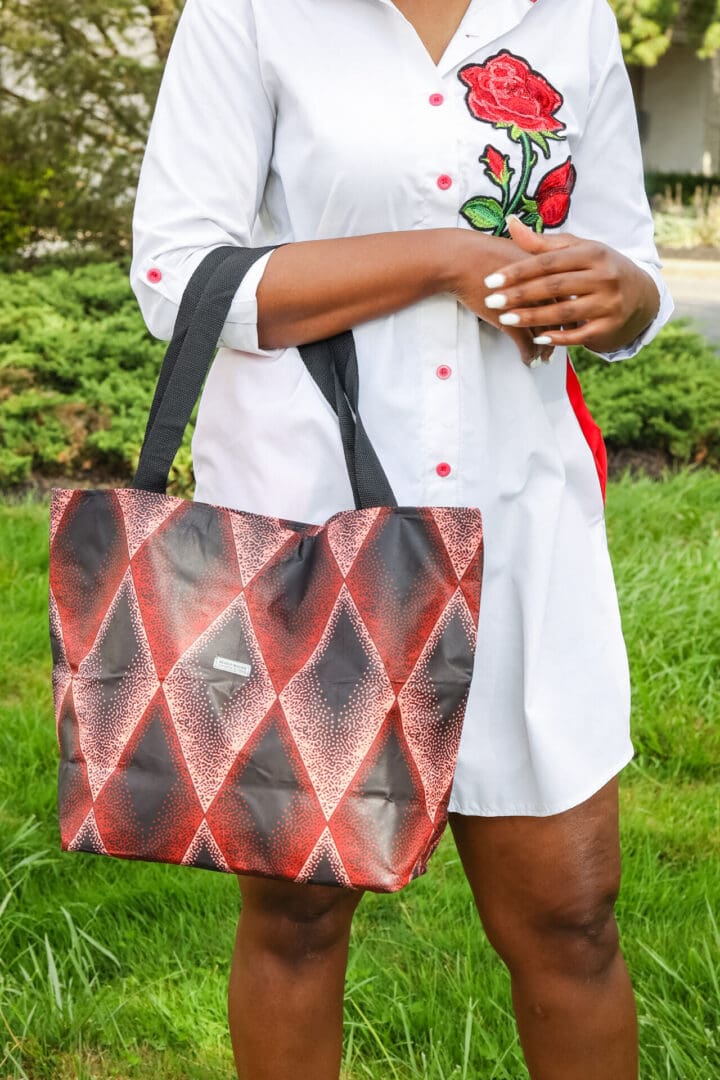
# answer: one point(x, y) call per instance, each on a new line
point(566, 291)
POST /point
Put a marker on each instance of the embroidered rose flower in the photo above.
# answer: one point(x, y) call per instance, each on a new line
point(553, 193)
point(505, 90)
point(508, 93)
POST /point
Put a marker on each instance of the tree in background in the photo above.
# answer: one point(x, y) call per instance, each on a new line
point(647, 27)
point(78, 81)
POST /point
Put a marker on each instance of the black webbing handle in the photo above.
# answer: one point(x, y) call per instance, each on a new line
point(201, 316)
point(333, 365)
point(182, 371)
point(189, 301)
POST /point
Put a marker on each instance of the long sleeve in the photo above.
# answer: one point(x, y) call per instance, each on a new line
point(204, 168)
point(609, 202)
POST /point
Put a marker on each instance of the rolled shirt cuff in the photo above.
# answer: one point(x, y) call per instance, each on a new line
point(667, 306)
point(159, 286)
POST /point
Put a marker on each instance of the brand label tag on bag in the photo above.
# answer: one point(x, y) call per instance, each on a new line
point(235, 666)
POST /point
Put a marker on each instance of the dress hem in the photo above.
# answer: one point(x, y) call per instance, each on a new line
point(545, 811)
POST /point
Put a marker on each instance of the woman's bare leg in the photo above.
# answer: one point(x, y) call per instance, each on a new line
point(285, 997)
point(545, 888)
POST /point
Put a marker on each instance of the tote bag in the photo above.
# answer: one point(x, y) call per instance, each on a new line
point(250, 694)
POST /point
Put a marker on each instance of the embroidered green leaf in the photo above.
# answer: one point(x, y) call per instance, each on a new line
point(539, 138)
point(482, 212)
point(530, 205)
point(515, 132)
point(533, 220)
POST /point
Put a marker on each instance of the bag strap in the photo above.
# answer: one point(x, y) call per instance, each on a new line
point(190, 299)
point(203, 310)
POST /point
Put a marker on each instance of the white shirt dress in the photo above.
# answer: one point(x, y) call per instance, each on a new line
point(289, 120)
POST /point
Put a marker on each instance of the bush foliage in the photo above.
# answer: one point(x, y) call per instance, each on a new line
point(77, 370)
point(665, 398)
point(683, 185)
point(78, 367)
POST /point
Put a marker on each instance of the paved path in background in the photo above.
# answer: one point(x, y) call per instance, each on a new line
point(695, 287)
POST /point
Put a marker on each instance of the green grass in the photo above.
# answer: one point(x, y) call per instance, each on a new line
point(119, 970)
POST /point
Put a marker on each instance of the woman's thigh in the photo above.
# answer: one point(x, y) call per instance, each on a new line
point(541, 883)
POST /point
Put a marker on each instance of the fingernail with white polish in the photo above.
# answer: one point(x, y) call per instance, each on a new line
point(495, 281)
point(541, 339)
point(535, 362)
point(509, 318)
point(496, 300)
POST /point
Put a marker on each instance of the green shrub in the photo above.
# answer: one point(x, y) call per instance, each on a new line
point(77, 370)
point(665, 398)
point(657, 183)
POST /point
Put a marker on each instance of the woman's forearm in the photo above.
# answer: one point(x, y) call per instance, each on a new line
point(316, 288)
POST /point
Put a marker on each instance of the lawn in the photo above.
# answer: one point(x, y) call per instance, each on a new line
point(113, 969)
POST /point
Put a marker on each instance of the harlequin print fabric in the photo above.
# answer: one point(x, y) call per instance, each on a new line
point(315, 119)
point(245, 694)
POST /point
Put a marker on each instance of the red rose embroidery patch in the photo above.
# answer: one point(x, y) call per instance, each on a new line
point(507, 92)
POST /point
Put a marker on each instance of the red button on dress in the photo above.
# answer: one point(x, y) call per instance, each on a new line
point(443, 469)
point(154, 275)
point(444, 181)
point(443, 371)
point(436, 99)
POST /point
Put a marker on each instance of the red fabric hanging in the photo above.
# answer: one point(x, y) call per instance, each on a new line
point(589, 428)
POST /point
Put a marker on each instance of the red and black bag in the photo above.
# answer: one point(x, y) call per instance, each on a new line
point(250, 694)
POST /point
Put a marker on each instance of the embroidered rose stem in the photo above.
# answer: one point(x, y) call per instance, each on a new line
point(529, 161)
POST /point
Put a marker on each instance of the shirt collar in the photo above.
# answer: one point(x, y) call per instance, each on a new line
point(483, 22)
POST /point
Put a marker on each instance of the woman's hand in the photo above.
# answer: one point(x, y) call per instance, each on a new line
point(597, 296)
point(472, 257)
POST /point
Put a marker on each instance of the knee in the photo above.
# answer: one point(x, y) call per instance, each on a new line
point(575, 936)
point(583, 936)
point(299, 923)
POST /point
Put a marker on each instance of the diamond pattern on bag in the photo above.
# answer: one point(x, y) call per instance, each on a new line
point(400, 599)
point(324, 865)
point(225, 684)
point(337, 702)
point(432, 706)
point(83, 588)
point(458, 530)
point(382, 817)
point(290, 603)
point(74, 794)
point(115, 683)
point(257, 540)
point(61, 497)
point(88, 838)
point(204, 851)
point(192, 537)
point(216, 711)
point(267, 816)
point(154, 820)
point(143, 516)
point(346, 534)
point(61, 674)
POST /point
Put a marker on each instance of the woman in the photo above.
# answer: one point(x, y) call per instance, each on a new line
point(387, 146)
